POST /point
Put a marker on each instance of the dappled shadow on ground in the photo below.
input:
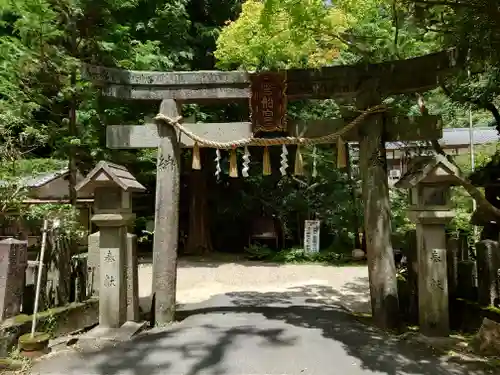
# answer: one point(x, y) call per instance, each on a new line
point(352, 296)
point(279, 321)
point(134, 357)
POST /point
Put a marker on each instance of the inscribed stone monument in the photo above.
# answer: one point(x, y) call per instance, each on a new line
point(13, 263)
point(131, 272)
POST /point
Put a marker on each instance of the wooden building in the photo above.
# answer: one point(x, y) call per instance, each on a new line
point(47, 188)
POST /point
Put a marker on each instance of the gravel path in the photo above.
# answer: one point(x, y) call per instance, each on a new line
point(198, 281)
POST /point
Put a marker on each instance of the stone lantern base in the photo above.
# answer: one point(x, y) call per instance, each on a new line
point(432, 270)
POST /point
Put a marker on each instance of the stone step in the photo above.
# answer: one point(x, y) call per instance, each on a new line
point(104, 336)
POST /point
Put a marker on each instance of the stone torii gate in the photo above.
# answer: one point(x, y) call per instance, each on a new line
point(367, 85)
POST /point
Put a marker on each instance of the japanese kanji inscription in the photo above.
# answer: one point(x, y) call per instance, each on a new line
point(435, 257)
point(268, 102)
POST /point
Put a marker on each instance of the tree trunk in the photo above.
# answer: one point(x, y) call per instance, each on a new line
point(381, 265)
point(65, 253)
point(199, 240)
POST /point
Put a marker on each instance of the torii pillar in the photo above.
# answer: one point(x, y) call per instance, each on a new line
point(165, 244)
point(377, 213)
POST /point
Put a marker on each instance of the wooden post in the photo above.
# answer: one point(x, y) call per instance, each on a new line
point(166, 218)
point(381, 265)
point(452, 250)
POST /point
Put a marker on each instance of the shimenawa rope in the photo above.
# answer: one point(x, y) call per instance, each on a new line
point(270, 141)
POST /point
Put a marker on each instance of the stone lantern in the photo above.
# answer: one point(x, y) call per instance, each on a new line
point(112, 186)
point(429, 180)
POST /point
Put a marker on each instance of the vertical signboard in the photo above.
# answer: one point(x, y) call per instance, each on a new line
point(268, 102)
point(311, 236)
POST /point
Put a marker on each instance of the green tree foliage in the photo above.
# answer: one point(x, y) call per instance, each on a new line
point(473, 28)
point(281, 34)
point(380, 30)
point(42, 42)
point(274, 33)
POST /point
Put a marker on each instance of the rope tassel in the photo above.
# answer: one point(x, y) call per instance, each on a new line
point(299, 163)
point(233, 164)
point(266, 162)
point(196, 164)
point(341, 153)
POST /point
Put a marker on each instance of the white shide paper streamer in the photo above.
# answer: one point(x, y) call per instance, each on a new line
point(246, 163)
point(284, 160)
point(218, 169)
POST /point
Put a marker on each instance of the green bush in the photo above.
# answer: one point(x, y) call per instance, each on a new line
point(295, 255)
point(258, 252)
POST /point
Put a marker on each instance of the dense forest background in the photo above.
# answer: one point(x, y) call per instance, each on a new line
point(50, 117)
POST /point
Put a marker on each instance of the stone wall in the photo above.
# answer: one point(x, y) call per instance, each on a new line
point(58, 321)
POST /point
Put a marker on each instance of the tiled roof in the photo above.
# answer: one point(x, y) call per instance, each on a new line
point(40, 179)
point(460, 136)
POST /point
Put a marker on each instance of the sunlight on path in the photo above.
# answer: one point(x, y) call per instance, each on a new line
point(198, 281)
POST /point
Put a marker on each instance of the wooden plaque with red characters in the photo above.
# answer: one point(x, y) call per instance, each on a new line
point(268, 102)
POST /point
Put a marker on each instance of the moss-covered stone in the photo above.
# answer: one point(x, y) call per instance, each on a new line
point(56, 321)
point(39, 341)
point(10, 364)
point(22, 318)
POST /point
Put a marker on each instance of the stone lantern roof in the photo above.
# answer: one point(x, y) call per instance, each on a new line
point(105, 173)
point(429, 169)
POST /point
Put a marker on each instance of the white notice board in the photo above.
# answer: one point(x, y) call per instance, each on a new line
point(311, 236)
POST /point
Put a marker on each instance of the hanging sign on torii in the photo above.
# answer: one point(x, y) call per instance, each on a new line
point(268, 102)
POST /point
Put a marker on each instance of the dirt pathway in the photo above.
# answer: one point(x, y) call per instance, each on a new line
point(198, 281)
